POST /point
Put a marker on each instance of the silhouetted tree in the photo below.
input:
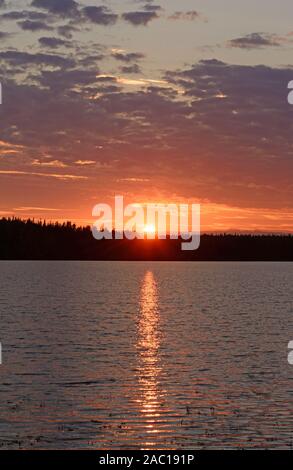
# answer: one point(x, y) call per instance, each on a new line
point(30, 240)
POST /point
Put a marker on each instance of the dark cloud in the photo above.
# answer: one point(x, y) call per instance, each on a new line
point(128, 57)
point(60, 80)
point(138, 18)
point(63, 8)
point(135, 68)
point(185, 15)
point(91, 60)
point(2, 3)
point(150, 7)
point(28, 25)
point(100, 15)
point(67, 30)
point(4, 35)
point(25, 59)
point(244, 109)
point(255, 41)
point(23, 15)
point(52, 42)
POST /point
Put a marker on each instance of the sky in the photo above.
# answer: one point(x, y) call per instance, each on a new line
point(158, 101)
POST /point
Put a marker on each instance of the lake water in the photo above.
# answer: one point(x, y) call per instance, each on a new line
point(106, 355)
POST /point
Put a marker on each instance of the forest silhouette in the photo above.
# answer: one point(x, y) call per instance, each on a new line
point(31, 240)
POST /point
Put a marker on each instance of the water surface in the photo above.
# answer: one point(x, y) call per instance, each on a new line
point(105, 355)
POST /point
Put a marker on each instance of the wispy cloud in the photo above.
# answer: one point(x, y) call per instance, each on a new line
point(84, 162)
point(51, 163)
point(255, 41)
point(133, 180)
point(29, 209)
point(46, 175)
point(191, 15)
point(140, 81)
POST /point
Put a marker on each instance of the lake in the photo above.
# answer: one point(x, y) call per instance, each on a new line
point(150, 355)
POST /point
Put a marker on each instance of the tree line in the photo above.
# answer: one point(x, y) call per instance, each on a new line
point(39, 240)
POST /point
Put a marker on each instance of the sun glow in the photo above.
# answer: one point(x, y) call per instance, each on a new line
point(149, 228)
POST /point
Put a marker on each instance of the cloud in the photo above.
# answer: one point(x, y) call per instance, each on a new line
point(131, 69)
point(25, 59)
point(138, 18)
point(128, 57)
point(4, 35)
point(251, 127)
point(226, 127)
point(105, 78)
point(28, 208)
point(150, 7)
point(133, 180)
point(185, 15)
point(255, 41)
point(49, 163)
point(100, 15)
point(24, 15)
point(52, 42)
point(7, 148)
point(67, 30)
point(63, 8)
point(2, 3)
point(60, 80)
point(84, 162)
point(28, 25)
point(46, 175)
point(224, 130)
point(140, 81)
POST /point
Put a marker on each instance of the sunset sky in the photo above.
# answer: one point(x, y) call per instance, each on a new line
point(159, 101)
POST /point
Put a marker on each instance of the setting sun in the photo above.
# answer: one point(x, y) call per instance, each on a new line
point(149, 228)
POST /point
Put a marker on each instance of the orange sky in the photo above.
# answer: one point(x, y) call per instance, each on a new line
point(108, 101)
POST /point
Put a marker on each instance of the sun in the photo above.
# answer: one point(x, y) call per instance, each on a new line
point(149, 228)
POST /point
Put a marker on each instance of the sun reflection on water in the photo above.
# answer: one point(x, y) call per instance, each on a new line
point(149, 368)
